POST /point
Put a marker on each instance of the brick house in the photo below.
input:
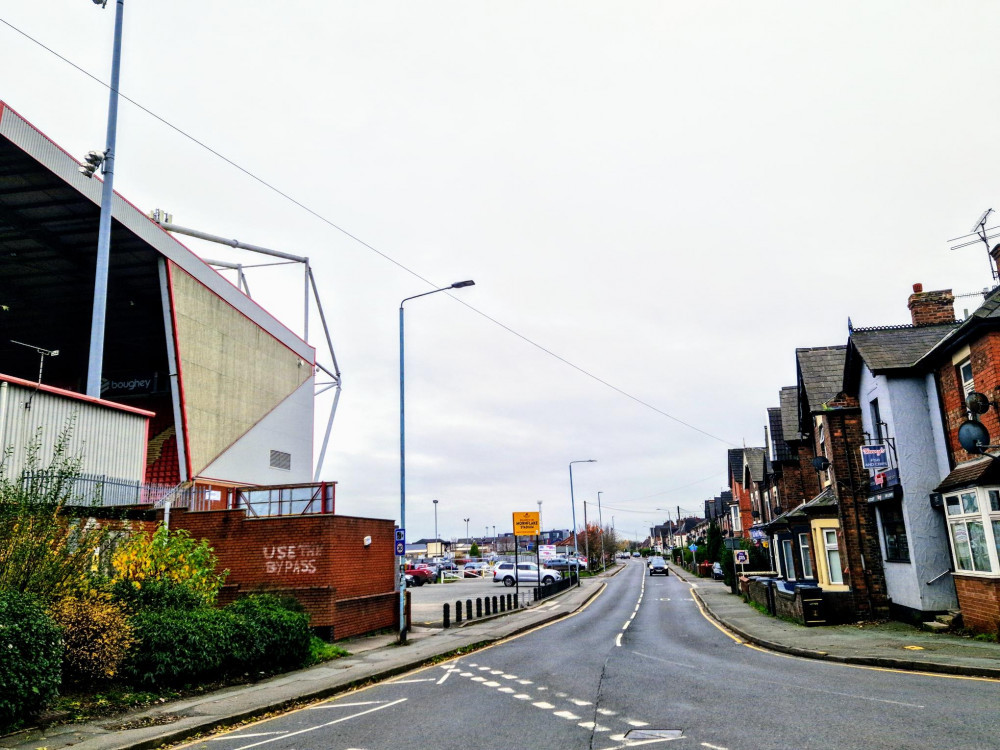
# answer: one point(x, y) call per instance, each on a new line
point(968, 497)
point(741, 509)
point(844, 535)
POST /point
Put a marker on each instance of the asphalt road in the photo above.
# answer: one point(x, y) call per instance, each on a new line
point(640, 666)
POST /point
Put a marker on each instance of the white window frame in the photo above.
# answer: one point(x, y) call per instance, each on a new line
point(965, 511)
point(737, 522)
point(836, 572)
point(807, 566)
point(967, 380)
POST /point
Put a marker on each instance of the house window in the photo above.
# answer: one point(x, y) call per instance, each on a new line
point(965, 376)
point(822, 450)
point(897, 549)
point(973, 525)
point(833, 556)
point(807, 566)
point(788, 559)
point(876, 420)
point(737, 525)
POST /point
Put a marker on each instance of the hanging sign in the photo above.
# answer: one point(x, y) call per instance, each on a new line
point(875, 456)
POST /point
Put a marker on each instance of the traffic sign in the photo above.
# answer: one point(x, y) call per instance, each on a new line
point(741, 556)
point(401, 535)
point(400, 548)
point(693, 548)
point(526, 524)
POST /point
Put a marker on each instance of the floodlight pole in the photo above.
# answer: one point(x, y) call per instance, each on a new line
point(98, 318)
point(572, 500)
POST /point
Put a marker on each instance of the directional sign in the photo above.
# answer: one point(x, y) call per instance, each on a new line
point(693, 548)
point(400, 548)
point(526, 524)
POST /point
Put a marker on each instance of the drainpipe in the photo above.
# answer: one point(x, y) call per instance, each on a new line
point(3, 419)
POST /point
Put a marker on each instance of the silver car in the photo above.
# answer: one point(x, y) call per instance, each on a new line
point(508, 575)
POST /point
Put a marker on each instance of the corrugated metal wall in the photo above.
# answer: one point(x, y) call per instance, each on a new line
point(110, 442)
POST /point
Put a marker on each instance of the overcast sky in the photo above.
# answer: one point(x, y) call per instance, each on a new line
point(670, 197)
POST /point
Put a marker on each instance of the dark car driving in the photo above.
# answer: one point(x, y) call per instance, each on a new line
point(658, 565)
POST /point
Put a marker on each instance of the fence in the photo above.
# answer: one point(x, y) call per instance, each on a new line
point(495, 605)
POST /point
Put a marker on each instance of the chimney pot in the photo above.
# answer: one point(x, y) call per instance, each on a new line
point(918, 288)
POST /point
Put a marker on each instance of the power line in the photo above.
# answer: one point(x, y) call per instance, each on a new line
point(363, 243)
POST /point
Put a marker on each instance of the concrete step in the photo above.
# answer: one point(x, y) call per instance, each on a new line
point(947, 620)
point(935, 627)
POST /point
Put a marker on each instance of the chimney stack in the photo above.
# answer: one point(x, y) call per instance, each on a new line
point(927, 308)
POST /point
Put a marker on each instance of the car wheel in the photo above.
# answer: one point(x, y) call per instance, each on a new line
point(508, 581)
point(548, 579)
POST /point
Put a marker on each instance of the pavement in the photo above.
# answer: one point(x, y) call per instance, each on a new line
point(377, 657)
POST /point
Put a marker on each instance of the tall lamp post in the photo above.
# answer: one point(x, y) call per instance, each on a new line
point(600, 520)
point(466, 529)
point(435, 520)
point(572, 500)
point(402, 450)
point(97, 321)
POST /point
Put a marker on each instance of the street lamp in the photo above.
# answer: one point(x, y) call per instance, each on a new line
point(97, 321)
point(572, 500)
point(600, 520)
point(466, 529)
point(435, 520)
point(540, 527)
point(402, 449)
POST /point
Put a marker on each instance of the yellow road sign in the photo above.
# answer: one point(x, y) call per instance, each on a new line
point(526, 524)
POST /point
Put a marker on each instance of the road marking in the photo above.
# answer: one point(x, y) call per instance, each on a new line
point(542, 704)
point(606, 712)
point(505, 690)
point(525, 682)
point(510, 676)
point(484, 669)
point(478, 679)
point(465, 674)
point(446, 676)
point(243, 736)
point(618, 640)
point(636, 723)
point(286, 735)
point(491, 684)
point(496, 671)
point(579, 702)
point(713, 747)
point(565, 715)
point(594, 726)
point(523, 697)
point(331, 704)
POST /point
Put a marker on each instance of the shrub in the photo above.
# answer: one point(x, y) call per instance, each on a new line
point(96, 634)
point(178, 646)
point(155, 594)
point(171, 556)
point(271, 634)
point(30, 658)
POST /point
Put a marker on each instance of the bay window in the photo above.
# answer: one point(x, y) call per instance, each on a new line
point(974, 529)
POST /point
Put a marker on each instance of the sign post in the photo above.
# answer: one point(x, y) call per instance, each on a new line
point(694, 558)
point(525, 524)
point(741, 557)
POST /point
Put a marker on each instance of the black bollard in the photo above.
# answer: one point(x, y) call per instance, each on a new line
point(510, 602)
point(458, 612)
point(479, 607)
point(495, 605)
point(468, 609)
point(503, 603)
point(447, 615)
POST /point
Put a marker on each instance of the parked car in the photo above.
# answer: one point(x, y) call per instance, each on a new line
point(507, 574)
point(658, 565)
point(410, 580)
point(558, 563)
point(476, 569)
point(717, 573)
point(636, 554)
point(421, 574)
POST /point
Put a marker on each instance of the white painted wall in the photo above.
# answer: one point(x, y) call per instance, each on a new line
point(909, 411)
point(288, 428)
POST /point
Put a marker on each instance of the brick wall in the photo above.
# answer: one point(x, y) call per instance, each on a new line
point(859, 531)
point(321, 560)
point(985, 360)
point(979, 600)
point(927, 308)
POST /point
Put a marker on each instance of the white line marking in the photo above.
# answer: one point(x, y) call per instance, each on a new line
point(618, 640)
point(505, 690)
point(491, 684)
point(323, 726)
point(446, 676)
point(479, 679)
point(405, 682)
point(243, 736)
point(543, 704)
point(331, 704)
point(636, 723)
point(496, 671)
point(579, 702)
point(466, 674)
point(510, 676)
point(525, 682)
point(565, 715)
point(523, 697)
point(606, 712)
point(713, 747)
point(483, 669)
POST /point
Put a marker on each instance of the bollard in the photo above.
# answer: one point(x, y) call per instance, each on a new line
point(468, 609)
point(517, 602)
point(495, 610)
point(447, 616)
point(487, 609)
point(503, 603)
point(458, 612)
point(534, 595)
point(479, 607)
point(510, 602)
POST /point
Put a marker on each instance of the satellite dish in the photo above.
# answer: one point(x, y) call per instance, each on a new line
point(973, 436)
point(821, 463)
point(977, 403)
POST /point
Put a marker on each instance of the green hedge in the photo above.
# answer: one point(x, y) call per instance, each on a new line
point(180, 646)
point(31, 652)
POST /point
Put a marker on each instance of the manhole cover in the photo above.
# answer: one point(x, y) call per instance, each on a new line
point(653, 734)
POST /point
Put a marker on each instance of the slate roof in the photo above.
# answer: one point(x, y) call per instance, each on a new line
point(754, 458)
point(970, 474)
point(897, 347)
point(789, 400)
point(736, 464)
point(821, 373)
point(986, 313)
point(779, 448)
